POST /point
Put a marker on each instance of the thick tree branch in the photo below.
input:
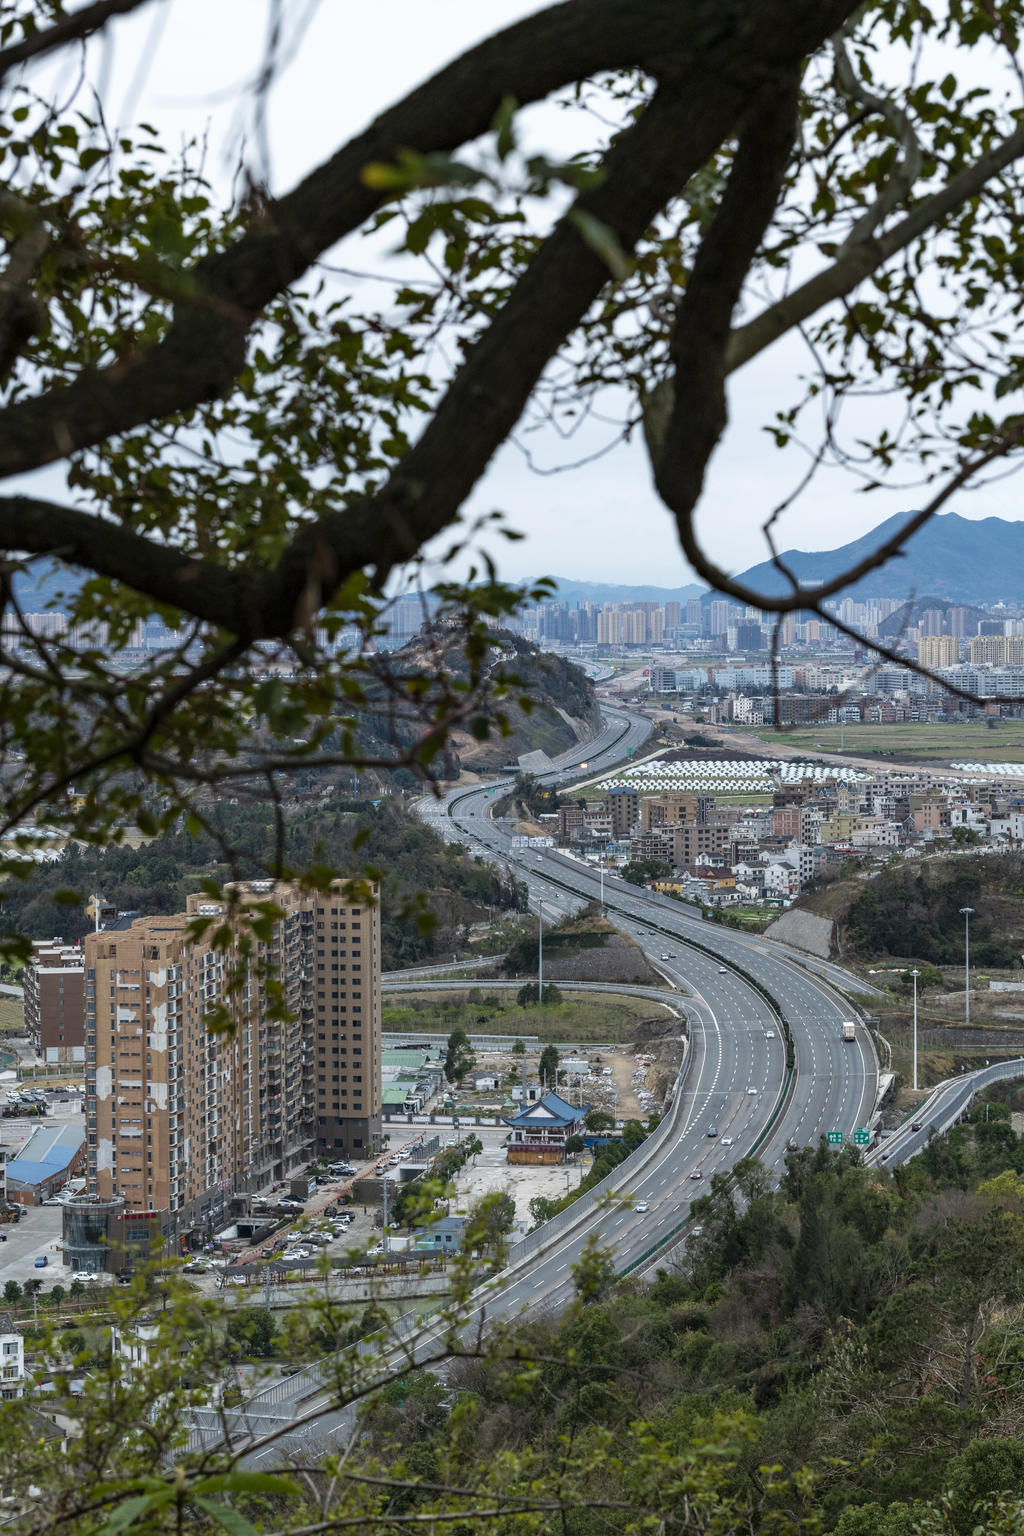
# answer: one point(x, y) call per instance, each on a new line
point(646, 167)
point(685, 421)
point(73, 29)
point(204, 349)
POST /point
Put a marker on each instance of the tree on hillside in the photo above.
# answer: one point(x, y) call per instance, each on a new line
point(548, 1065)
point(459, 1059)
point(252, 449)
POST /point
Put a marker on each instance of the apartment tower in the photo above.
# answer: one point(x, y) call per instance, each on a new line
point(218, 1062)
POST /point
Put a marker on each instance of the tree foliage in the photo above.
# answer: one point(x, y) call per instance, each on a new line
point(251, 448)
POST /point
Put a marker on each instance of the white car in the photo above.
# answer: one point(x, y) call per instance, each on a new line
point(291, 1254)
point(726, 1141)
point(722, 971)
point(752, 1092)
point(641, 1206)
point(85, 1276)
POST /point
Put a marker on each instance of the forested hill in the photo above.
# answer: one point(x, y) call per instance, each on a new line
point(914, 910)
point(554, 689)
point(156, 877)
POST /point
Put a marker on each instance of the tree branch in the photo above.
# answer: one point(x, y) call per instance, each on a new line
point(645, 168)
point(859, 261)
point(686, 417)
point(204, 349)
point(73, 29)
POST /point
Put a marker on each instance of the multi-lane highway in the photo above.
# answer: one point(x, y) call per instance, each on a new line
point(835, 1081)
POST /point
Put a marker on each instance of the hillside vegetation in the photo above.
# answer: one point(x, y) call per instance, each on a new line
point(913, 910)
point(430, 890)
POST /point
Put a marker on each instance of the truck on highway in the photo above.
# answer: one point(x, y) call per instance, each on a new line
point(849, 1030)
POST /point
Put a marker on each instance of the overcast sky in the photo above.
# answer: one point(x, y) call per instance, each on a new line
point(185, 64)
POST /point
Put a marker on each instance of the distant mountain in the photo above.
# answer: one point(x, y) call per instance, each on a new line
point(950, 558)
point(608, 592)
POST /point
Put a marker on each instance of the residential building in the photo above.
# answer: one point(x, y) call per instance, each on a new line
point(54, 984)
point(937, 650)
point(12, 1359)
point(179, 1115)
point(623, 806)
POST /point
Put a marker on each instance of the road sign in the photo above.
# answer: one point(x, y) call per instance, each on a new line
point(862, 1136)
point(835, 1138)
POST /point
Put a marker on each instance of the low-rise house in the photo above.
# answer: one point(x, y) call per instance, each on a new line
point(443, 1236)
point(540, 1130)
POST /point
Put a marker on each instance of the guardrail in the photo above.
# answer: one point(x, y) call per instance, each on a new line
point(963, 1090)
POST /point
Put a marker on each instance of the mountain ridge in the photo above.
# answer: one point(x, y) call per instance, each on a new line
point(952, 558)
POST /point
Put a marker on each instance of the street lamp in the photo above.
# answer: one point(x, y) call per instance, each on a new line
point(915, 975)
point(967, 962)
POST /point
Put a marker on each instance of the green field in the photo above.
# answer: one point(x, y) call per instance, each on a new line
point(607, 1020)
point(974, 741)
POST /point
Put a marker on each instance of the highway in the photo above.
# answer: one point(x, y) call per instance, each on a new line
point(735, 1095)
point(836, 1082)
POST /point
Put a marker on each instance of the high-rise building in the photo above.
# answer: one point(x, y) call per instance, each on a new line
point(695, 612)
point(673, 615)
point(938, 651)
point(997, 651)
point(180, 1116)
point(54, 987)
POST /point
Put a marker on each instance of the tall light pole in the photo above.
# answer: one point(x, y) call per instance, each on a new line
point(915, 975)
point(602, 888)
point(967, 962)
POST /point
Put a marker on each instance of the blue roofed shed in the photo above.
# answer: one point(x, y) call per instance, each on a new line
point(51, 1156)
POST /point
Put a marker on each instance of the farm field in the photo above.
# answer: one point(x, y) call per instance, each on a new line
point(910, 741)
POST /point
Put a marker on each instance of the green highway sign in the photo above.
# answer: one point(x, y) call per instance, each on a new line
point(862, 1136)
point(835, 1138)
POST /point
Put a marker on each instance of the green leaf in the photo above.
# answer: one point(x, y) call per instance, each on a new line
point(503, 127)
point(226, 1517)
point(602, 241)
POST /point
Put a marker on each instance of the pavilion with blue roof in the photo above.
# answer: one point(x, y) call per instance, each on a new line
point(541, 1130)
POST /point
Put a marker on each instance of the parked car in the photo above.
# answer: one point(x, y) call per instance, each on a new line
point(84, 1275)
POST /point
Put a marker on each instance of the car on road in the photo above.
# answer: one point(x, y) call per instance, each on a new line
point(641, 1206)
point(752, 1092)
point(727, 1141)
point(723, 970)
point(41, 1262)
point(712, 1130)
point(917, 1125)
point(769, 1034)
point(697, 1174)
point(291, 1205)
point(666, 957)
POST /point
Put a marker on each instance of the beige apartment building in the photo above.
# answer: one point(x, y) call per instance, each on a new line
point(938, 651)
point(181, 1117)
